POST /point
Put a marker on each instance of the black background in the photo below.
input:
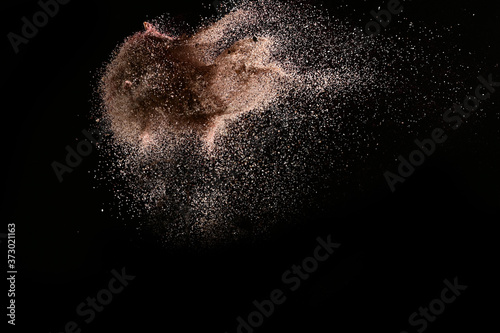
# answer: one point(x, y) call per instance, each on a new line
point(397, 248)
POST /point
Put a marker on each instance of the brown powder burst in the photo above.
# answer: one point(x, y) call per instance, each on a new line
point(155, 82)
point(228, 133)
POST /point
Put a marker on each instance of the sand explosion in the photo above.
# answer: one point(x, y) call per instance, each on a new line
point(157, 81)
point(226, 133)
